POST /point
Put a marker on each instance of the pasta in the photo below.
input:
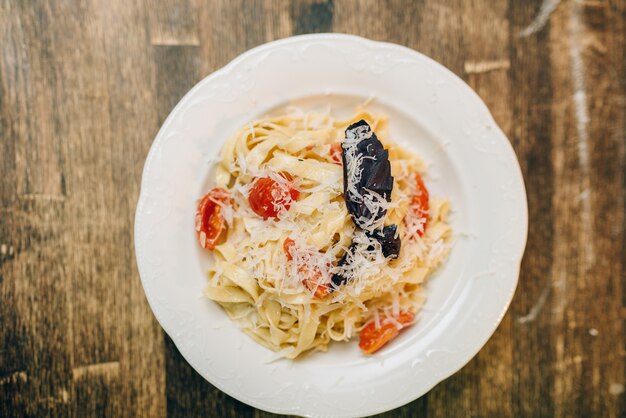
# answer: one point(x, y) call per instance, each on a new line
point(274, 275)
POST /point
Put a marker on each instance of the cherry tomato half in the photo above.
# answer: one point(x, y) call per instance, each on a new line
point(311, 281)
point(310, 274)
point(287, 245)
point(321, 290)
point(372, 338)
point(335, 153)
point(267, 197)
point(419, 204)
point(210, 223)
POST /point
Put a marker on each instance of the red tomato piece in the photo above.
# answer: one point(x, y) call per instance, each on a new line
point(310, 275)
point(419, 204)
point(311, 282)
point(335, 153)
point(287, 245)
point(210, 223)
point(267, 196)
point(372, 338)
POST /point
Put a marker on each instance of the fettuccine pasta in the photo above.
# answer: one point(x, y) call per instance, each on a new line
point(293, 267)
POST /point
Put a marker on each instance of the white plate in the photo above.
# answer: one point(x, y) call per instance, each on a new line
point(431, 110)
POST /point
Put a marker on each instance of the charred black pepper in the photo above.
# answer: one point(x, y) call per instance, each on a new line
point(390, 246)
point(366, 171)
point(372, 173)
point(389, 240)
point(337, 278)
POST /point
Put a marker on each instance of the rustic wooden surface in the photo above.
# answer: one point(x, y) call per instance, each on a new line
point(84, 87)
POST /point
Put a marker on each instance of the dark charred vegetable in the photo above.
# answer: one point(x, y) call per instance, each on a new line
point(389, 240)
point(390, 246)
point(366, 170)
point(367, 179)
point(337, 278)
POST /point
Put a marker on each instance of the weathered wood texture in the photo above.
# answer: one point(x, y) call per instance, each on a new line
point(84, 87)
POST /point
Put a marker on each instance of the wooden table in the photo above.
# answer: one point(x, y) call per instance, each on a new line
point(84, 87)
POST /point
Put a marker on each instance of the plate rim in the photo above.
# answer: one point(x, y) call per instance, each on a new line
point(483, 110)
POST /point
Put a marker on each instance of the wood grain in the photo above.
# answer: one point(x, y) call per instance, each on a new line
point(84, 87)
point(531, 98)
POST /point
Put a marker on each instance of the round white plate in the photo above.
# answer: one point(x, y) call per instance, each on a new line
point(432, 111)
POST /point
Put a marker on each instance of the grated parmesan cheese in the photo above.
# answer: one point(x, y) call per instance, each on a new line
point(322, 230)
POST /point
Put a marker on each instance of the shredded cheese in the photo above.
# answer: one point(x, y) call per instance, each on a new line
point(274, 297)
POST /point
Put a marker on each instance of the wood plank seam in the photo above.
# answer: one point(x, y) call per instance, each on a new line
point(108, 369)
point(175, 42)
point(14, 377)
point(43, 197)
point(479, 67)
